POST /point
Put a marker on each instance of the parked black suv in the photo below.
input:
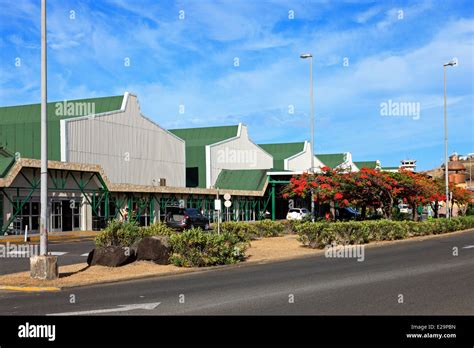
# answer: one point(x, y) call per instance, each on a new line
point(184, 218)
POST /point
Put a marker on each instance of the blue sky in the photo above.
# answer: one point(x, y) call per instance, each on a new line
point(394, 49)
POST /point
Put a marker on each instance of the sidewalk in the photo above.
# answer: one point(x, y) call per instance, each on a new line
point(52, 236)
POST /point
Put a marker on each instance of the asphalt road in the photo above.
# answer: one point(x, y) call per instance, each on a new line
point(68, 253)
point(430, 279)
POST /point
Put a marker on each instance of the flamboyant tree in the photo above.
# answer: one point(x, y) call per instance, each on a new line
point(375, 189)
point(371, 188)
point(415, 189)
point(325, 187)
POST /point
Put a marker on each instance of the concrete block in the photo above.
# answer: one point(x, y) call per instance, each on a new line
point(44, 267)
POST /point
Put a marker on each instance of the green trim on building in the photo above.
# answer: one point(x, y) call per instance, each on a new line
point(20, 125)
point(282, 151)
point(332, 160)
point(196, 140)
point(252, 179)
point(366, 164)
point(390, 168)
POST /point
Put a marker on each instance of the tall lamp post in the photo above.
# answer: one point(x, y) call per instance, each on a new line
point(44, 266)
point(446, 170)
point(310, 56)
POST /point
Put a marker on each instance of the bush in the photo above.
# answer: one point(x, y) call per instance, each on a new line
point(269, 228)
point(118, 233)
point(126, 234)
point(196, 248)
point(253, 230)
point(242, 230)
point(157, 229)
point(320, 234)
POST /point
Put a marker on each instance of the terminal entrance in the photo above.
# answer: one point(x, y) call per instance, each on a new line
point(65, 215)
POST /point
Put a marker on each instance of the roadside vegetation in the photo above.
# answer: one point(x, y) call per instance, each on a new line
point(198, 248)
point(320, 234)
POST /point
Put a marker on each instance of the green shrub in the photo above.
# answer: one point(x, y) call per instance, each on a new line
point(118, 233)
point(196, 248)
point(242, 230)
point(253, 230)
point(268, 228)
point(157, 229)
point(320, 234)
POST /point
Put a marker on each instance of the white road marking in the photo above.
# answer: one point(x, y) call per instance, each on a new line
point(468, 247)
point(57, 253)
point(86, 254)
point(121, 308)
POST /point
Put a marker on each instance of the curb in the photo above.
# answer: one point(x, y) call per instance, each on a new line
point(30, 288)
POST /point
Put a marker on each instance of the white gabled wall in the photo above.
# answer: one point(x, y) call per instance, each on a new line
point(130, 148)
point(300, 161)
point(235, 153)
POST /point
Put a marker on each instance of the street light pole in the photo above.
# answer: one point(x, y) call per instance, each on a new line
point(305, 56)
point(44, 266)
point(44, 139)
point(446, 169)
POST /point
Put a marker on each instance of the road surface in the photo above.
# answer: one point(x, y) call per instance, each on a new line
point(411, 277)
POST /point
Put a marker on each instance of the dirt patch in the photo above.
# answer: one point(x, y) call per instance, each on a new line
point(267, 249)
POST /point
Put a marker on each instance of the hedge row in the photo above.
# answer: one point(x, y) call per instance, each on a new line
point(320, 234)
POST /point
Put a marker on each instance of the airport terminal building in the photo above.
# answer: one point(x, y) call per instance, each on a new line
point(105, 156)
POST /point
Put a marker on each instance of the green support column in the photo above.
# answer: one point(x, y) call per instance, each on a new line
point(107, 201)
point(152, 208)
point(273, 202)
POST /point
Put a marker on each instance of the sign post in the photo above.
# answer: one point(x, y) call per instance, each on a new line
point(227, 204)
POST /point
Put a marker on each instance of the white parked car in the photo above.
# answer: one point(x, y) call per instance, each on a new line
point(405, 209)
point(297, 214)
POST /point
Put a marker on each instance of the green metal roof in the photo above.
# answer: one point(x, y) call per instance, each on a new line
point(205, 135)
point(20, 125)
point(332, 160)
point(196, 139)
point(366, 164)
point(282, 151)
point(252, 179)
point(5, 165)
point(390, 168)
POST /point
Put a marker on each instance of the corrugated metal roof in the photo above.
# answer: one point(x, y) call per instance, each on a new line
point(332, 160)
point(20, 125)
point(196, 139)
point(244, 179)
point(366, 164)
point(282, 151)
point(205, 135)
point(5, 165)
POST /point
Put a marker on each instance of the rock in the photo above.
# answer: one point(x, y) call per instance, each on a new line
point(111, 256)
point(156, 249)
